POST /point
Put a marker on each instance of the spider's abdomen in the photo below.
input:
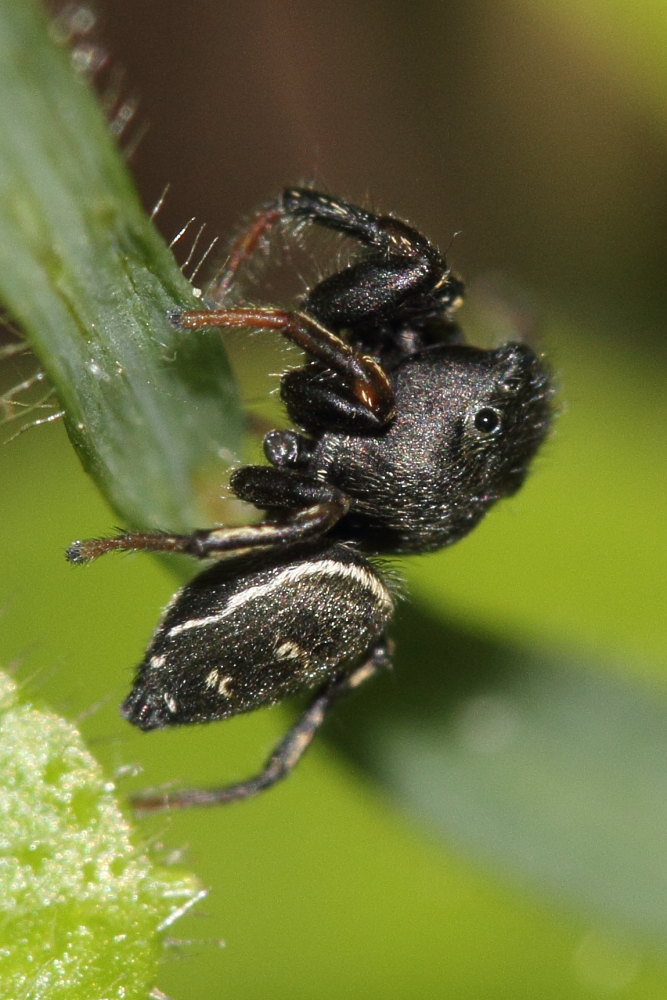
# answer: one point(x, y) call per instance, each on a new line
point(231, 641)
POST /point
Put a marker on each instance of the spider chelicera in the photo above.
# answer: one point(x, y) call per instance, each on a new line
point(406, 437)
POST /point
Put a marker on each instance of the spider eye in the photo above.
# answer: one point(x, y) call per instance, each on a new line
point(487, 421)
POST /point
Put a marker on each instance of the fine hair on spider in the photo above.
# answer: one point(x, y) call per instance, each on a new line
point(406, 436)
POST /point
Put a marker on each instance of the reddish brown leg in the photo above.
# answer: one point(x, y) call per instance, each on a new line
point(366, 380)
point(217, 542)
point(243, 248)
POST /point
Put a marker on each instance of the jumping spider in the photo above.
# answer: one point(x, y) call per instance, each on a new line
point(406, 437)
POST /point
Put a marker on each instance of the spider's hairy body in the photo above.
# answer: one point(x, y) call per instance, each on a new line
point(403, 437)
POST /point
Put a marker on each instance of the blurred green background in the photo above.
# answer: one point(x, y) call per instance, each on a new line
point(513, 844)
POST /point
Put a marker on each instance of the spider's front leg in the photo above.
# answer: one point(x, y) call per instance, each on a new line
point(309, 509)
point(359, 379)
point(388, 236)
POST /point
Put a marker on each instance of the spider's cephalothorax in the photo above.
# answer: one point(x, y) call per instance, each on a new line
point(406, 437)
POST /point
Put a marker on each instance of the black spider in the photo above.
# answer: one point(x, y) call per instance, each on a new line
point(407, 437)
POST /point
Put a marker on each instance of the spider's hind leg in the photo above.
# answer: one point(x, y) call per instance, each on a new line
point(285, 756)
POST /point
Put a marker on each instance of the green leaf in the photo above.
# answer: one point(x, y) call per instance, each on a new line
point(85, 275)
point(530, 758)
point(80, 908)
